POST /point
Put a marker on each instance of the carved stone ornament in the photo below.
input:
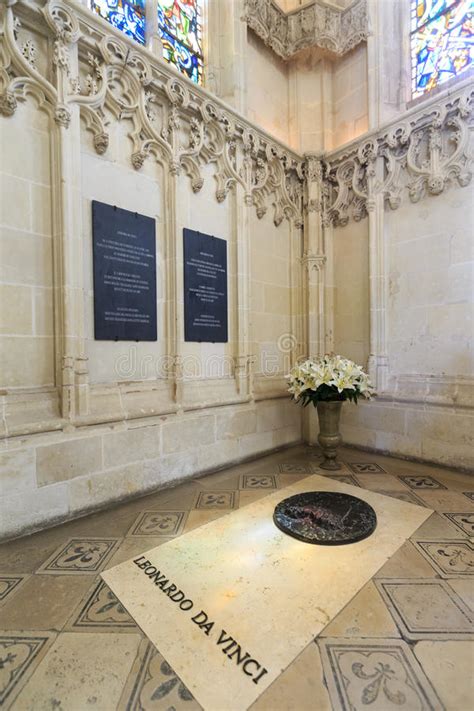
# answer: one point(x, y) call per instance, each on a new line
point(316, 24)
point(103, 76)
point(170, 121)
point(422, 155)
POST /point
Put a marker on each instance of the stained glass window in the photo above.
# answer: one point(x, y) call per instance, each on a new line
point(441, 41)
point(127, 15)
point(180, 28)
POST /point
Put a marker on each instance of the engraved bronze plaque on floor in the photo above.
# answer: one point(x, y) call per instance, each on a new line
point(232, 603)
point(325, 517)
point(205, 288)
point(124, 274)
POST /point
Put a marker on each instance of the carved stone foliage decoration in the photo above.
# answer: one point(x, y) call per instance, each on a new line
point(316, 24)
point(419, 156)
point(98, 71)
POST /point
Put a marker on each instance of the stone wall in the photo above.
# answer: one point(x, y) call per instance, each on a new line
point(88, 422)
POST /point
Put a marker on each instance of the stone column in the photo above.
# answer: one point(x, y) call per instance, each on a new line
point(314, 258)
point(70, 350)
point(378, 353)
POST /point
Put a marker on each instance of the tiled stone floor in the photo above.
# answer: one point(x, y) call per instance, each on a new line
point(404, 642)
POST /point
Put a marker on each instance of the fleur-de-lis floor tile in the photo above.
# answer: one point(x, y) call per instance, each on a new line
point(421, 482)
point(426, 609)
point(464, 521)
point(79, 556)
point(366, 468)
point(8, 585)
point(158, 523)
point(152, 684)
point(101, 610)
point(256, 481)
point(20, 654)
point(377, 675)
point(216, 500)
point(296, 468)
point(451, 559)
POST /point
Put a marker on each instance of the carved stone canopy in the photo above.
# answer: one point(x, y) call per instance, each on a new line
point(315, 24)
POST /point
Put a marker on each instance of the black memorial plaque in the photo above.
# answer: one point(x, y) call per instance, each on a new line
point(205, 288)
point(124, 274)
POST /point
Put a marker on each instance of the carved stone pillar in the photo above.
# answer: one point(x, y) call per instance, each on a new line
point(378, 353)
point(243, 371)
point(314, 258)
point(71, 358)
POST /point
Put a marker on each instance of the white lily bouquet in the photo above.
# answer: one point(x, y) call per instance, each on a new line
point(329, 378)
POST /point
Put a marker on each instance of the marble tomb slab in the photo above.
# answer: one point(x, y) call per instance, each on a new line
point(232, 603)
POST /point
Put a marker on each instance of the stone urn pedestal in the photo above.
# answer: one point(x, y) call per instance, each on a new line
point(329, 415)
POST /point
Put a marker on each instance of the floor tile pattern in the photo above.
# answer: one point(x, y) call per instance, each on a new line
point(80, 556)
point(449, 558)
point(216, 500)
point(421, 482)
point(464, 521)
point(159, 523)
point(366, 468)
point(376, 674)
point(101, 610)
point(254, 481)
point(9, 583)
point(403, 643)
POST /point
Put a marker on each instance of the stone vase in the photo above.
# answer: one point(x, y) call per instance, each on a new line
point(329, 414)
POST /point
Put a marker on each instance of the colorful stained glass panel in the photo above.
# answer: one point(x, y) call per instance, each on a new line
point(424, 10)
point(178, 54)
point(442, 48)
point(180, 28)
point(127, 15)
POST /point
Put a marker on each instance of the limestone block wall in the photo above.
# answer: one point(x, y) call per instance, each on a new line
point(50, 477)
point(267, 88)
point(403, 281)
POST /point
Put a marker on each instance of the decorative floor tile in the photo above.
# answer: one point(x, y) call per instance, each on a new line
point(451, 559)
point(264, 481)
point(152, 684)
point(80, 555)
point(158, 523)
point(295, 468)
point(344, 479)
point(216, 500)
point(421, 482)
point(464, 521)
point(403, 496)
point(8, 584)
point(376, 674)
point(425, 609)
point(101, 611)
point(366, 468)
point(19, 656)
point(469, 494)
